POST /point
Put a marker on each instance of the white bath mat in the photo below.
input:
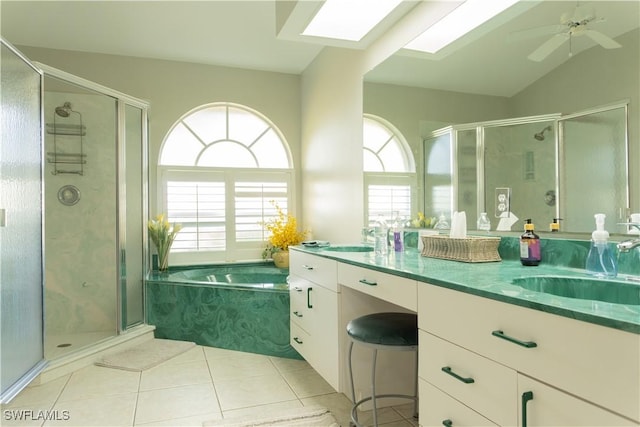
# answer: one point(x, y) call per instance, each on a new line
point(145, 355)
point(299, 417)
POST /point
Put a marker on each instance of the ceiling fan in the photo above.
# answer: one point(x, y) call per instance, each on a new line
point(572, 24)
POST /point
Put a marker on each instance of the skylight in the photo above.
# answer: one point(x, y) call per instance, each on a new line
point(350, 19)
point(461, 20)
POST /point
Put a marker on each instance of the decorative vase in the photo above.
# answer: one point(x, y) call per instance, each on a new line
point(163, 259)
point(281, 259)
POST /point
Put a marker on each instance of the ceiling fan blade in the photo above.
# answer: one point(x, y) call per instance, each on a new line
point(536, 32)
point(547, 47)
point(604, 41)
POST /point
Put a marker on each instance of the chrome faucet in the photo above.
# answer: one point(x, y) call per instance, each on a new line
point(627, 245)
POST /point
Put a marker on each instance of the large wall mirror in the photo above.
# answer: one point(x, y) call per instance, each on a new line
point(532, 167)
point(487, 77)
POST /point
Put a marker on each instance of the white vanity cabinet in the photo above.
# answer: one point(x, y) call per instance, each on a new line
point(314, 316)
point(576, 373)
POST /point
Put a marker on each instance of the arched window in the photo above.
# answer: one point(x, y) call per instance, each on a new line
point(389, 171)
point(221, 166)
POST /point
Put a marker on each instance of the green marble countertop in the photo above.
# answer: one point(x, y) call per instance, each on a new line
point(493, 280)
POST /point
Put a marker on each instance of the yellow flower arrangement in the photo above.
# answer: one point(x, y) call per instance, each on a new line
point(163, 234)
point(423, 222)
point(283, 232)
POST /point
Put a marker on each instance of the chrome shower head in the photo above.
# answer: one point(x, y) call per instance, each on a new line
point(540, 135)
point(64, 110)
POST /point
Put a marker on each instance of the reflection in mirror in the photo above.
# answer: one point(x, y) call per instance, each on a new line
point(487, 77)
point(594, 178)
point(468, 166)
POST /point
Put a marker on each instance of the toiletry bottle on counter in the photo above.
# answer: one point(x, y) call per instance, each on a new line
point(442, 225)
point(398, 234)
point(555, 225)
point(381, 237)
point(529, 245)
point(600, 260)
point(483, 222)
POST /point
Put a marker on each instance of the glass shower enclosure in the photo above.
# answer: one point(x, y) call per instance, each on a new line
point(95, 179)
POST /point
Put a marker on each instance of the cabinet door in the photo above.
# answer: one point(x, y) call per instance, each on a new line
point(314, 327)
point(542, 405)
point(299, 293)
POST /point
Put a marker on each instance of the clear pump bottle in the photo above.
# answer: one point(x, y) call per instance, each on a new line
point(600, 260)
point(381, 237)
point(483, 222)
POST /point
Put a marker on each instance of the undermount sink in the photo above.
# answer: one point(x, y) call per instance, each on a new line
point(587, 288)
point(352, 248)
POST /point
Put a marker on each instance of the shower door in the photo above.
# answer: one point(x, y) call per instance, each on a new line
point(21, 347)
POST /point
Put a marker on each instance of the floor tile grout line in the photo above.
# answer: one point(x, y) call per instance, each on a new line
point(135, 407)
point(213, 383)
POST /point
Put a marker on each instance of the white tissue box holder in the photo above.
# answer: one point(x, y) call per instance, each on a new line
point(465, 249)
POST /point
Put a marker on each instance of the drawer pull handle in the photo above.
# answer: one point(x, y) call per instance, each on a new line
point(447, 423)
point(526, 397)
point(307, 267)
point(297, 314)
point(367, 282)
point(297, 289)
point(447, 370)
point(527, 344)
point(298, 340)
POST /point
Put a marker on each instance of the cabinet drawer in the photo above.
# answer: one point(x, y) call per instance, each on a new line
point(394, 289)
point(437, 408)
point(300, 340)
point(599, 364)
point(314, 268)
point(484, 385)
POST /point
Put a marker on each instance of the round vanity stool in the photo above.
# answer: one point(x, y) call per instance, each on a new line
point(383, 331)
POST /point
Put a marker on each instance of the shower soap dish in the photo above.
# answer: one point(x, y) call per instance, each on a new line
point(465, 249)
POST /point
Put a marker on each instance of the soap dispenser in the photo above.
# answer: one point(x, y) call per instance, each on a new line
point(381, 235)
point(529, 245)
point(554, 227)
point(600, 260)
point(398, 233)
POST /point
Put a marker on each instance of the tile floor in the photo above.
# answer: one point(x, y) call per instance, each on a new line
point(202, 384)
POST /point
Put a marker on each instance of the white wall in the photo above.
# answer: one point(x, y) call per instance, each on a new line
point(331, 162)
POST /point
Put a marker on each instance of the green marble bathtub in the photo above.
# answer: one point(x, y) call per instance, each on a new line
point(242, 307)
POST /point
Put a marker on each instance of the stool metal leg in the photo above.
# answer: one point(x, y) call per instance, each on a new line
point(373, 388)
point(373, 398)
point(354, 414)
point(415, 390)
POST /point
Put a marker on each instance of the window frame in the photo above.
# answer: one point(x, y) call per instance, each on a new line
point(407, 177)
point(234, 251)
